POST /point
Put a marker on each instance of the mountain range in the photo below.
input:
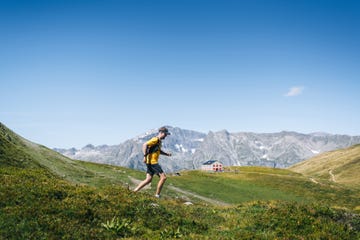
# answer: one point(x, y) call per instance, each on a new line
point(190, 149)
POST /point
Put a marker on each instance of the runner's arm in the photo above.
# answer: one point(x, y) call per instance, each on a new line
point(165, 153)
point(144, 149)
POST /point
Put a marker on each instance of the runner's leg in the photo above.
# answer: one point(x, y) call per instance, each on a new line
point(144, 183)
point(160, 183)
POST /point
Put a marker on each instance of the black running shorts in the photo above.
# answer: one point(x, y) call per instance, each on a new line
point(154, 169)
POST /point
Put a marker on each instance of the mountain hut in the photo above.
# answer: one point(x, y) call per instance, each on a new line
point(212, 166)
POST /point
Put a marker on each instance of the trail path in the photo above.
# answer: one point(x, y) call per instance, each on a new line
point(137, 181)
point(314, 181)
point(332, 175)
point(209, 200)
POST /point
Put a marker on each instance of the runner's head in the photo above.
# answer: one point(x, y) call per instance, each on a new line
point(163, 132)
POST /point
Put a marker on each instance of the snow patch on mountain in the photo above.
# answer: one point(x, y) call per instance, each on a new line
point(198, 140)
point(314, 151)
point(181, 148)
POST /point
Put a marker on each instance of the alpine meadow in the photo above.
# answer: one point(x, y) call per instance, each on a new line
point(45, 195)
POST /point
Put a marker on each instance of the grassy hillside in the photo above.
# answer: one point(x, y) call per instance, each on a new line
point(340, 166)
point(243, 184)
point(36, 205)
point(18, 152)
point(44, 195)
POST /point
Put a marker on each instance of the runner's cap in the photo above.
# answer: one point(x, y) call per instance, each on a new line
point(164, 130)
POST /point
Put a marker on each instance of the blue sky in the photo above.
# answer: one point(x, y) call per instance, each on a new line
point(101, 72)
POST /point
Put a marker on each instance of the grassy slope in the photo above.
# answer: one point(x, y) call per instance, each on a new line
point(343, 164)
point(19, 152)
point(36, 205)
point(257, 183)
point(41, 198)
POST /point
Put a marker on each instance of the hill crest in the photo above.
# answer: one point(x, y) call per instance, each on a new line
point(340, 166)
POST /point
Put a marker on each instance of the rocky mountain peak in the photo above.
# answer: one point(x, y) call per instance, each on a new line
point(191, 148)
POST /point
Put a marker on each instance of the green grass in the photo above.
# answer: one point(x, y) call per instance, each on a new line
point(44, 195)
point(255, 183)
point(18, 152)
point(230, 188)
point(37, 205)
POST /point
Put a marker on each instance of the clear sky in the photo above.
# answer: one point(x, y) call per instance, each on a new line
point(77, 72)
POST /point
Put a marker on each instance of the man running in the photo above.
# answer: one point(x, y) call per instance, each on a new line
point(152, 151)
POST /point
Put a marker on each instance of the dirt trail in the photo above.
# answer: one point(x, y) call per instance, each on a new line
point(314, 181)
point(209, 200)
point(332, 175)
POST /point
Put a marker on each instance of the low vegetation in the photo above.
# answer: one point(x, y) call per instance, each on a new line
point(44, 195)
point(37, 205)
